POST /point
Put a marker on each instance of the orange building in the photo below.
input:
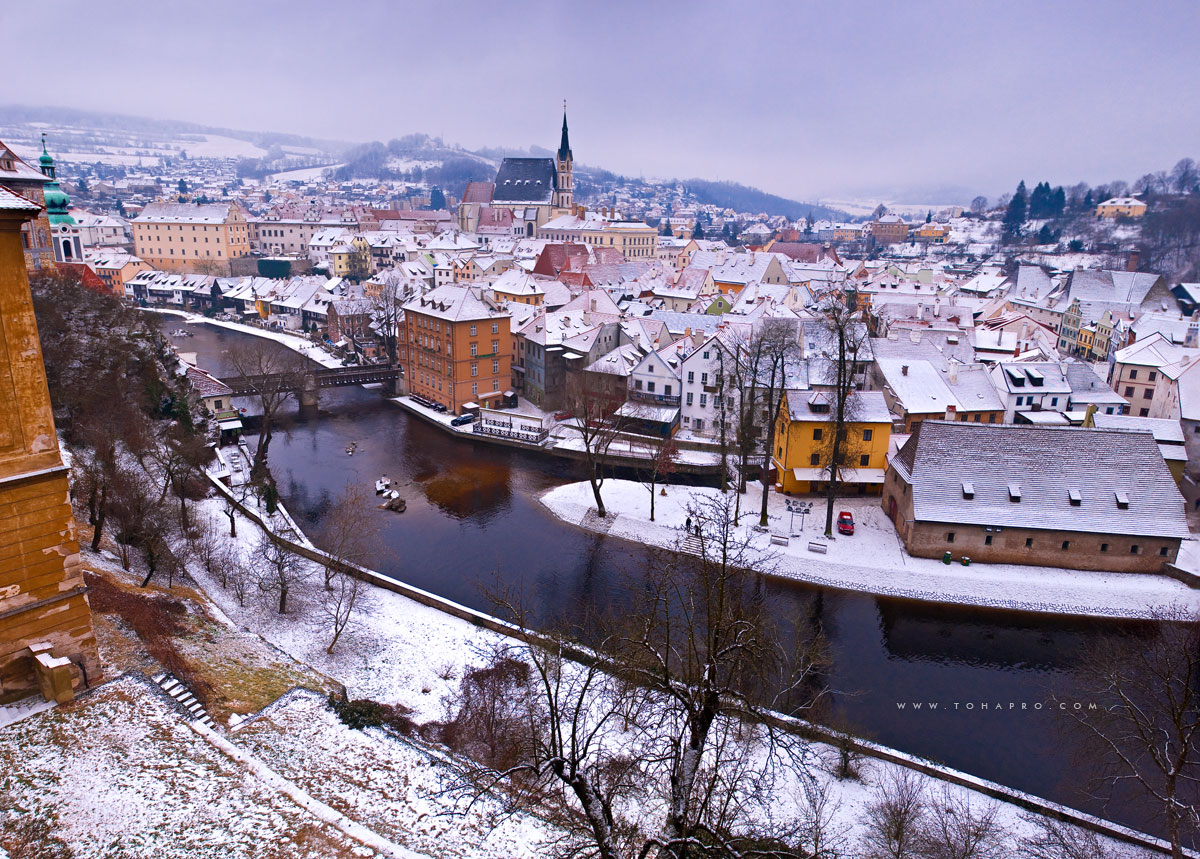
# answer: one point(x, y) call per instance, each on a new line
point(457, 346)
point(47, 641)
point(184, 237)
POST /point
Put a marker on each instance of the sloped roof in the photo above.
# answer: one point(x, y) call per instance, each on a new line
point(478, 192)
point(1046, 463)
point(525, 180)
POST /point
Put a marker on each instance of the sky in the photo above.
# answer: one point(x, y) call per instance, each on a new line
point(912, 102)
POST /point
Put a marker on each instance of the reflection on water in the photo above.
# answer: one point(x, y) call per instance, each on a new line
point(473, 520)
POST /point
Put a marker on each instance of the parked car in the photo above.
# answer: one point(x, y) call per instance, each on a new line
point(845, 523)
point(462, 420)
point(563, 416)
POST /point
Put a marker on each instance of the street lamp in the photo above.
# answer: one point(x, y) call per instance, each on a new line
point(794, 507)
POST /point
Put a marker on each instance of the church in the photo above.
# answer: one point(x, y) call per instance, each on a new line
point(527, 191)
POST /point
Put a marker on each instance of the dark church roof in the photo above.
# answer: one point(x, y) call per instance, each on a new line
point(525, 180)
point(564, 146)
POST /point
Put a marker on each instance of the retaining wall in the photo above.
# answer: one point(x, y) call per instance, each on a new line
point(583, 655)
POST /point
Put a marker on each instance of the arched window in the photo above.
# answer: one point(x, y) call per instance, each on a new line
point(66, 249)
point(529, 230)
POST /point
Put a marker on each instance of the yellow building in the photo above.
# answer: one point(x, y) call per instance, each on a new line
point(634, 239)
point(1121, 207)
point(185, 237)
point(516, 286)
point(930, 233)
point(1086, 339)
point(804, 439)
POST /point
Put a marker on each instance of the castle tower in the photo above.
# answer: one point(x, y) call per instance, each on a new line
point(47, 642)
point(564, 191)
point(64, 232)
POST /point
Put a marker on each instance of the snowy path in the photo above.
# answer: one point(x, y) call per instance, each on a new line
point(296, 343)
point(892, 572)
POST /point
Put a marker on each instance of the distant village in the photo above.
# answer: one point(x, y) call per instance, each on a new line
point(1037, 404)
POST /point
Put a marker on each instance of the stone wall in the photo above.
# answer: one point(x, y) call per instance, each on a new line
point(42, 593)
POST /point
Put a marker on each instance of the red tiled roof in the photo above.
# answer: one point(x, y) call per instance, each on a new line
point(554, 258)
point(478, 192)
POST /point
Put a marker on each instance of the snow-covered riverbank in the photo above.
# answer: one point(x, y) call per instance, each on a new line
point(873, 560)
point(295, 342)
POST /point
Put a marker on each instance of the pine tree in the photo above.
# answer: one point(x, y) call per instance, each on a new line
point(1015, 216)
point(1058, 202)
point(1045, 236)
point(182, 187)
point(437, 200)
point(698, 233)
point(929, 216)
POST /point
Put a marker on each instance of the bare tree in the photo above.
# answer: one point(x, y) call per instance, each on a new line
point(1055, 839)
point(346, 534)
point(961, 825)
point(895, 816)
point(1144, 730)
point(766, 355)
point(979, 205)
point(659, 746)
point(274, 374)
point(240, 576)
point(1184, 176)
point(662, 454)
point(182, 455)
point(386, 312)
point(133, 506)
point(847, 334)
point(598, 426)
point(280, 571)
point(343, 601)
point(702, 644)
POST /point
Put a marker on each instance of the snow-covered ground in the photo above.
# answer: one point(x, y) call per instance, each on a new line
point(403, 652)
point(303, 174)
point(122, 774)
point(295, 342)
point(873, 559)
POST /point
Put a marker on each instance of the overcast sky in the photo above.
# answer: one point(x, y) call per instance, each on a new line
point(891, 99)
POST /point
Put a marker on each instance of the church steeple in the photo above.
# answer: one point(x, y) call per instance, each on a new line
point(564, 191)
point(564, 146)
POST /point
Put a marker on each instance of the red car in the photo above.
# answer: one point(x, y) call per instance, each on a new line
point(845, 523)
point(563, 416)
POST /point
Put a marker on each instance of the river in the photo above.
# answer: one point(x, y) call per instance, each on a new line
point(473, 520)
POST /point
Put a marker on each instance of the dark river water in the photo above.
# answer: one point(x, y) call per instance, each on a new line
point(473, 516)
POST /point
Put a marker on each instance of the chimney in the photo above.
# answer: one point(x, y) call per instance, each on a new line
point(903, 369)
point(1017, 351)
point(1193, 332)
point(953, 374)
point(951, 413)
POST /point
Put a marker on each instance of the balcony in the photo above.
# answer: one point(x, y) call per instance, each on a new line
point(658, 399)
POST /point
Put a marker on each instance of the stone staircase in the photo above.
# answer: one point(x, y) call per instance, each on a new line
point(691, 544)
point(183, 695)
point(18, 710)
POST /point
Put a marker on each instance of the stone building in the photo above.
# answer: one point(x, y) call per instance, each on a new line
point(1089, 499)
point(20, 178)
point(46, 637)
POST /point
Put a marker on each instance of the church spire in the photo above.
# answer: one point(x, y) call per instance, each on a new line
point(564, 146)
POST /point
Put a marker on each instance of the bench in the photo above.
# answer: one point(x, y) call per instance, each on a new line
point(779, 540)
point(819, 548)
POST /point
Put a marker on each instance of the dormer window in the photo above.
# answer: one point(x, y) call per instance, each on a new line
point(968, 489)
point(1014, 492)
point(1076, 497)
point(1122, 500)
